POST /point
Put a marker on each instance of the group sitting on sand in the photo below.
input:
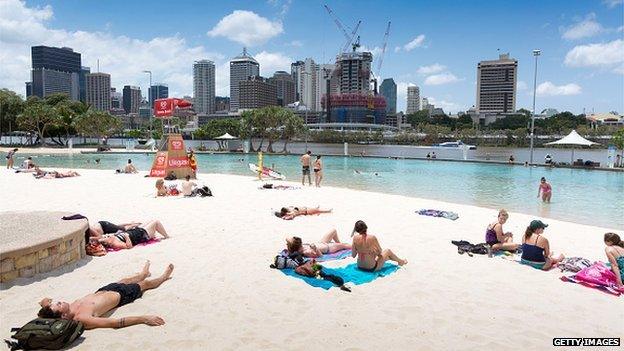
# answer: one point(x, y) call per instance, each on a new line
point(288, 213)
point(89, 309)
point(189, 188)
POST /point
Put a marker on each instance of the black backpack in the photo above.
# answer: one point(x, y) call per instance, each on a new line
point(45, 333)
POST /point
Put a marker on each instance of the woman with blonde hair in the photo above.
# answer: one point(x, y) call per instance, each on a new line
point(496, 238)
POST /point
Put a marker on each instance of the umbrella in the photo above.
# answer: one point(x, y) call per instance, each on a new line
point(225, 137)
point(572, 139)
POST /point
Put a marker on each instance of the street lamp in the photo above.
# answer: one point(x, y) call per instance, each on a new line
point(149, 97)
point(536, 53)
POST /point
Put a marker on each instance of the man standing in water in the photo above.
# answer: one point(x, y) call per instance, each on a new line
point(305, 167)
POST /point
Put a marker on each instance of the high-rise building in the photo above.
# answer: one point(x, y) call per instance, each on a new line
point(98, 91)
point(305, 76)
point(322, 74)
point(116, 99)
point(413, 99)
point(285, 87)
point(82, 81)
point(256, 92)
point(295, 70)
point(496, 85)
point(131, 99)
point(354, 71)
point(222, 103)
point(28, 89)
point(157, 91)
point(388, 89)
point(204, 87)
point(241, 68)
point(425, 103)
point(55, 70)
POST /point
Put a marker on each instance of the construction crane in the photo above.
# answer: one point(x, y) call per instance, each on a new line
point(340, 26)
point(381, 56)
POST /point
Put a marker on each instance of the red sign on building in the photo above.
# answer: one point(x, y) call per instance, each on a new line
point(164, 107)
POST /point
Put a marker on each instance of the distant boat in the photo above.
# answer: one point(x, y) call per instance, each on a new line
point(456, 144)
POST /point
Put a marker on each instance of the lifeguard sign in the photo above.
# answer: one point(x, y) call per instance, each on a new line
point(171, 155)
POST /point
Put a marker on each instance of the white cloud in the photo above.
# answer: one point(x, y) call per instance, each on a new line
point(431, 69)
point(296, 43)
point(447, 106)
point(549, 89)
point(612, 3)
point(415, 43)
point(397, 49)
point(442, 78)
point(169, 58)
point(376, 51)
point(602, 55)
point(273, 61)
point(247, 28)
point(583, 29)
point(522, 85)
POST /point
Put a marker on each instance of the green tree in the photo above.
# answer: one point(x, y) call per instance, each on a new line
point(11, 106)
point(97, 124)
point(293, 127)
point(217, 127)
point(419, 118)
point(246, 128)
point(618, 140)
point(37, 117)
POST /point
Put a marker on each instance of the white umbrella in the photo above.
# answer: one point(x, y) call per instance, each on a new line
point(225, 137)
point(572, 139)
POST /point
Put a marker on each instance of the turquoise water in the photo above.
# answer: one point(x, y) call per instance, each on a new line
point(581, 196)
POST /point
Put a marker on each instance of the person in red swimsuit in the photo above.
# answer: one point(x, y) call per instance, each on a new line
point(545, 189)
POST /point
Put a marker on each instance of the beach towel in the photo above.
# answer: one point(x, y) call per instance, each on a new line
point(338, 255)
point(150, 241)
point(350, 274)
point(574, 264)
point(437, 213)
point(597, 276)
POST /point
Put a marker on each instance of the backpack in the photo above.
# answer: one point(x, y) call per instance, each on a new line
point(45, 333)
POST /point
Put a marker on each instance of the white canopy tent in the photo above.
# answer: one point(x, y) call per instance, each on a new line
point(223, 140)
point(573, 139)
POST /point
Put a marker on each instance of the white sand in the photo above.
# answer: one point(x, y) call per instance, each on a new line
point(223, 295)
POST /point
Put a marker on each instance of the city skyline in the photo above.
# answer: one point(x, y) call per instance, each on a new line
point(435, 46)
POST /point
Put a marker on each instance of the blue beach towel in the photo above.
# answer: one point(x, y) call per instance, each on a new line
point(338, 255)
point(350, 274)
point(437, 213)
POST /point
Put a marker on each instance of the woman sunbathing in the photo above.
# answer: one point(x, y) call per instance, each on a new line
point(104, 227)
point(134, 236)
point(54, 174)
point(329, 243)
point(370, 256)
point(288, 213)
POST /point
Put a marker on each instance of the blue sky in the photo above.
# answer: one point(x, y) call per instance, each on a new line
point(434, 44)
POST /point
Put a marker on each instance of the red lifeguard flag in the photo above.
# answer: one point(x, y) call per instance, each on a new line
point(164, 107)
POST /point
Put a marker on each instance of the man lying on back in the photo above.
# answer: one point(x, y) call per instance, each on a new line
point(90, 308)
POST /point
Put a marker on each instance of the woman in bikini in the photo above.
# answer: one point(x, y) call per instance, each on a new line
point(134, 236)
point(318, 171)
point(615, 254)
point(545, 189)
point(536, 249)
point(370, 256)
point(289, 213)
point(329, 243)
point(496, 238)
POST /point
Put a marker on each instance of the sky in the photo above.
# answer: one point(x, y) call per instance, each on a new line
point(433, 44)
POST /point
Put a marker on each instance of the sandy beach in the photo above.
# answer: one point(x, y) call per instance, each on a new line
point(224, 296)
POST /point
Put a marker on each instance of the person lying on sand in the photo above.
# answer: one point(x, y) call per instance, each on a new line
point(288, 213)
point(615, 255)
point(90, 308)
point(104, 227)
point(39, 173)
point(370, 256)
point(131, 237)
point(328, 244)
point(162, 190)
point(536, 249)
point(496, 238)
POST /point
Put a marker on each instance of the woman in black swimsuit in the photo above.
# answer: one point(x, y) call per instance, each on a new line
point(131, 237)
point(104, 227)
point(288, 213)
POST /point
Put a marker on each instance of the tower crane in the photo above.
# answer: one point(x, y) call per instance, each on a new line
point(381, 57)
point(347, 35)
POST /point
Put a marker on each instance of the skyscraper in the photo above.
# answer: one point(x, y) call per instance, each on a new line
point(116, 99)
point(295, 69)
point(322, 74)
point(157, 91)
point(496, 85)
point(413, 99)
point(98, 91)
point(55, 70)
point(285, 87)
point(354, 71)
point(82, 81)
point(241, 68)
point(388, 89)
point(204, 87)
point(131, 99)
point(257, 92)
point(305, 77)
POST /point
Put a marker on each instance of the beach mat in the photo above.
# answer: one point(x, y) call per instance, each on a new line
point(350, 274)
point(149, 242)
point(338, 255)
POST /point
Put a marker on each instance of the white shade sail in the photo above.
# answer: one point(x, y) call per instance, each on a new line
point(572, 139)
point(227, 136)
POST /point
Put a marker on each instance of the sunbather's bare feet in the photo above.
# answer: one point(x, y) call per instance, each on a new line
point(402, 262)
point(145, 272)
point(167, 274)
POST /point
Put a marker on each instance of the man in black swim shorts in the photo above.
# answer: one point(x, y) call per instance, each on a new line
point(90, 308)
point(305, 167)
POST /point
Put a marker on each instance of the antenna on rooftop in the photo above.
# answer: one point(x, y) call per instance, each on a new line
point(98, 66)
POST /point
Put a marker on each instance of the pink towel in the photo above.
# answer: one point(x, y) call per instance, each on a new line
point(150, 241)
point(597, 276)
